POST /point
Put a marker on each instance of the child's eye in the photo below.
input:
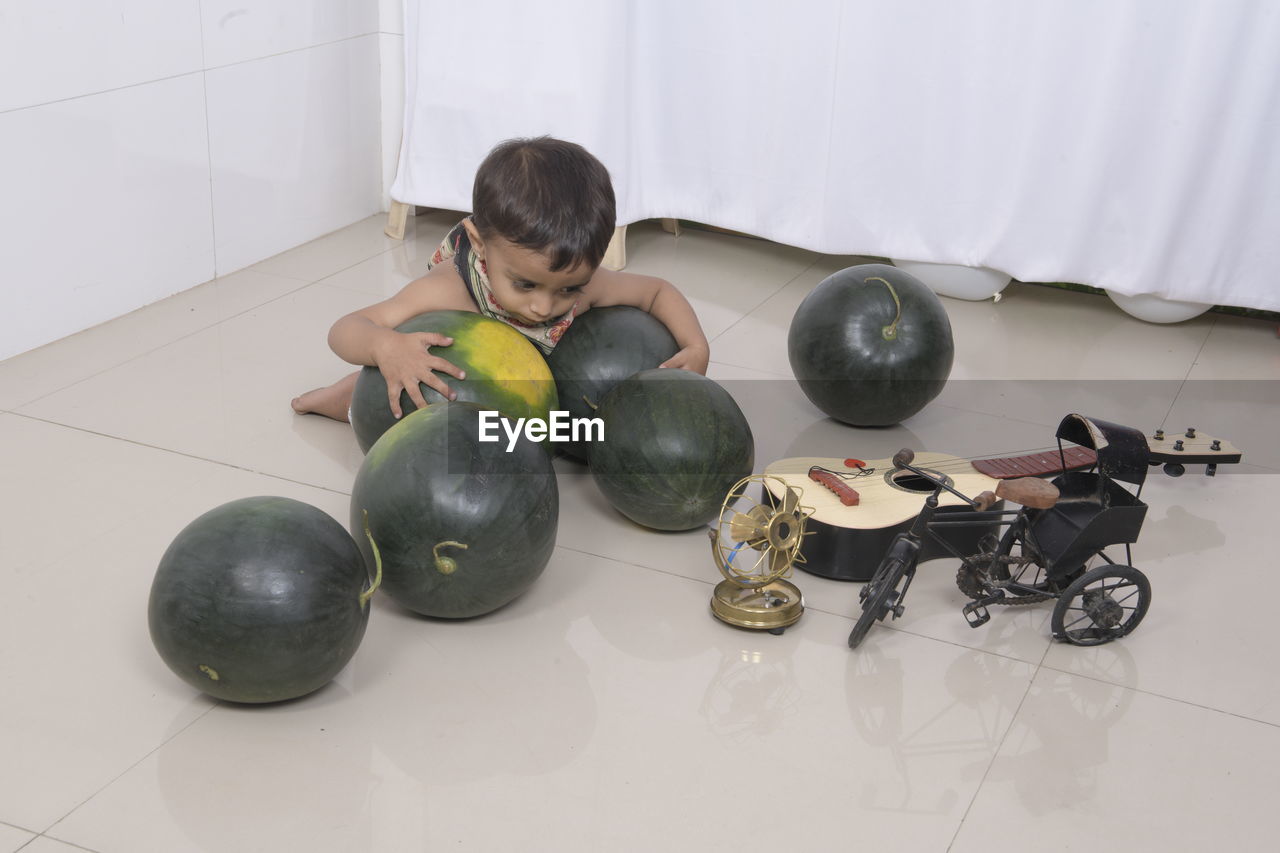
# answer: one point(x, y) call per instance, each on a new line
point(523, 285)
point(577, 288)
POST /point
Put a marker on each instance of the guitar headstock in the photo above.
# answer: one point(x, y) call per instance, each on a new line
point(1190, 447)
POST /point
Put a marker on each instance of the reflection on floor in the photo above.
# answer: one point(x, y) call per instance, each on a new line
point(606, 709)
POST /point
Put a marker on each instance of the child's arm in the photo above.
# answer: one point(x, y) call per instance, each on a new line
point(661, 299)
point(368, 336)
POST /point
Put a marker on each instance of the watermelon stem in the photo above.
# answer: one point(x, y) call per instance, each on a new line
point(589, 403)
point(890, 332)
point(377, 561)
point(446, 565)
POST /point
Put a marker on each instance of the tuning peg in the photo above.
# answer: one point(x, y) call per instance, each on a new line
point(1191, 432)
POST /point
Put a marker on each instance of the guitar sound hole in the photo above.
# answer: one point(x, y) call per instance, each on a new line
point(911, 482)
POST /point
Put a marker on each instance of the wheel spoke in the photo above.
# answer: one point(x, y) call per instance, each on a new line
point(1083, 617)
point(1121, 601)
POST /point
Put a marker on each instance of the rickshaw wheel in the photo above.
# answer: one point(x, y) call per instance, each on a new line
point(1101, 605)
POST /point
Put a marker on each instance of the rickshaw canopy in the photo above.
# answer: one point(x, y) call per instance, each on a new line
point(1122, 451)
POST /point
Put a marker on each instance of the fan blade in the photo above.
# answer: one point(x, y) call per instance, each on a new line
point(779, 562)
point(746, 528)
point(790, 501)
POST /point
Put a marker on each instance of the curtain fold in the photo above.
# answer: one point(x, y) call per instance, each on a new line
point(1128, 144)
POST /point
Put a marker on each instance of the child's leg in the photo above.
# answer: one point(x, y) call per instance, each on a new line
point(332, 401)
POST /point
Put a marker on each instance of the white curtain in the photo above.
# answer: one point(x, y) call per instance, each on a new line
point(1132, 145)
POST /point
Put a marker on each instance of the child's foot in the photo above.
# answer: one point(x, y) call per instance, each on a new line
point(332, 401)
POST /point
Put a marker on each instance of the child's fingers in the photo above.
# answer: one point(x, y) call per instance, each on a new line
point(435, 382)
point(438, 363)
point(414, 390)
point(433, 339)
point(393, 397)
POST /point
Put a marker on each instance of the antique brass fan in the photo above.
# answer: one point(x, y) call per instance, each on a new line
point(755, 545)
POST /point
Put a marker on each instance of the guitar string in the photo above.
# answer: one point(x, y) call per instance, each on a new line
point(964, 464)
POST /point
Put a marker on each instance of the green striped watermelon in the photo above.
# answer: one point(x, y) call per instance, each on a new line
point(504, 370)
point(463, 526)
point(259, 600)
point(675, 442)
point(601, 348)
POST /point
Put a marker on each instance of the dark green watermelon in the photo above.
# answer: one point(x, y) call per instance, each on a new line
point(871, 345)
point(601, 348)
point(259, 600)
point(463, 526)
point(675, 442)
point(504, 371)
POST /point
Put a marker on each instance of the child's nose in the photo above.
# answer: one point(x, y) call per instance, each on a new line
point(540, 306)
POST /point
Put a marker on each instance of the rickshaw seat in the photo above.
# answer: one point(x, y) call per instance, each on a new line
point(1082, 487)
point(1069, 530)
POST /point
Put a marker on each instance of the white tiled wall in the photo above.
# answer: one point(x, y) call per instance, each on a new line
point(149, 145)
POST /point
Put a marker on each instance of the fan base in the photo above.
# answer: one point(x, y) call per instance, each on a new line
point(770, 607)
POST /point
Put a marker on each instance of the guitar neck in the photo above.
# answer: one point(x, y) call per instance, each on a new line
point(1192, 448)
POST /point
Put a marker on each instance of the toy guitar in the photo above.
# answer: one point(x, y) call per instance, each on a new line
point(859, 506)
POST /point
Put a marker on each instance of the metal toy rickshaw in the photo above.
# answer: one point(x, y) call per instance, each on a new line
point(1046, 545)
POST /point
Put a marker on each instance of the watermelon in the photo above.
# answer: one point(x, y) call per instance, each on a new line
point(463, 526)
point(259, 600)
point(674, 443)
point(871, 345)
point(601, 348)
point(504, 372)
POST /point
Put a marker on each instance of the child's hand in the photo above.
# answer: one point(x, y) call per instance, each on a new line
point(405, 362)
point(693, 358)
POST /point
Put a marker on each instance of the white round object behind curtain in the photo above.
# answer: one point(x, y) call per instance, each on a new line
point(1155, 309)
point(955, 280)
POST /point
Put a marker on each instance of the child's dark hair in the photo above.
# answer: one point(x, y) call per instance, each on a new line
point(547, 195)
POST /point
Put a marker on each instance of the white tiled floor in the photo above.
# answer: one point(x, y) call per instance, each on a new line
point(605, 709)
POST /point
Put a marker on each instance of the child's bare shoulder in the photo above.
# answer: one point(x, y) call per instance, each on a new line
point(440, 289)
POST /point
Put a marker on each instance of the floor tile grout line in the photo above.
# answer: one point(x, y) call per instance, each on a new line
point(954, 643)
point(812, 263)
point(59, 840)
point(379, 253)
point(772, 375)
point(995, 754)
point(1165, 697)
point(4, 823)
point(711, 581)
point(184, 455)
point(707, 582)
point(303, 283)
point(201, 330)
point(123, 772)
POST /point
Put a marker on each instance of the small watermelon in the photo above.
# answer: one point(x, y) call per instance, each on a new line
point(259, 600)
point(504, 372)
point(463, 526)
point(675, 442)
point(871, 345)
point(601, 348)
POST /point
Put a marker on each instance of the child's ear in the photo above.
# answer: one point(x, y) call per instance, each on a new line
point(473, 234)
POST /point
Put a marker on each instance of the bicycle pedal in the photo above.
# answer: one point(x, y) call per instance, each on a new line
point(976, 613)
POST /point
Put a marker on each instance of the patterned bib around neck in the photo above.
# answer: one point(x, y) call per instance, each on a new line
point(471, 267)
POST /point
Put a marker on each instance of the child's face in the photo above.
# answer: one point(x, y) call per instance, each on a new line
point(525, 286)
